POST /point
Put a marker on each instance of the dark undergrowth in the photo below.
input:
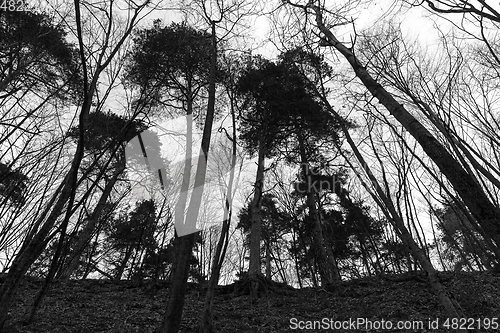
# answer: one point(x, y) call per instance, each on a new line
point(125, 306)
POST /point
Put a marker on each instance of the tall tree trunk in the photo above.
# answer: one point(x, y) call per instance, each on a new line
point(206, 325)
point(180, 207)
point(254, 269)
point(279, 265)
point(472, 194)
point(296, 259)
point(268, 261)
point(123, 264)
point(451, 307)
point(324, 257)
point(33, 247)
point(175, 305)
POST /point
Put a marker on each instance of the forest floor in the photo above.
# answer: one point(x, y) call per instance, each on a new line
point(125, 306)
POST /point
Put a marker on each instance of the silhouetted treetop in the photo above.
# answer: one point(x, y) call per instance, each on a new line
point(35, 52)
point(165, 56)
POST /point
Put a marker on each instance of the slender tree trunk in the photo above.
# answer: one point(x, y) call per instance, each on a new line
point(296, 259)
point(473, 195)
point(35, 246)
point(268, 261)
point(364, 258)
point(279, 265)
point(322, 253)
point(87, 232)
point(173, 314)
point(451, 307)
point(254, 269)
point(206, 325)
point(100, 271)
point(29, 252)
point(123, 264)
point(206, 319)
point(180, 207)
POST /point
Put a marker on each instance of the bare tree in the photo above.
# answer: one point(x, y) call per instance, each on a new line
point(464, 183)
point(443, 89)
point(65, 196)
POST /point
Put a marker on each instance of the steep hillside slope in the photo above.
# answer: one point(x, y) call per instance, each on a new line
point(369, 303)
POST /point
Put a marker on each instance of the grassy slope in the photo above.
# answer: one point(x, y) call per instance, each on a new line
point(105, 306)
